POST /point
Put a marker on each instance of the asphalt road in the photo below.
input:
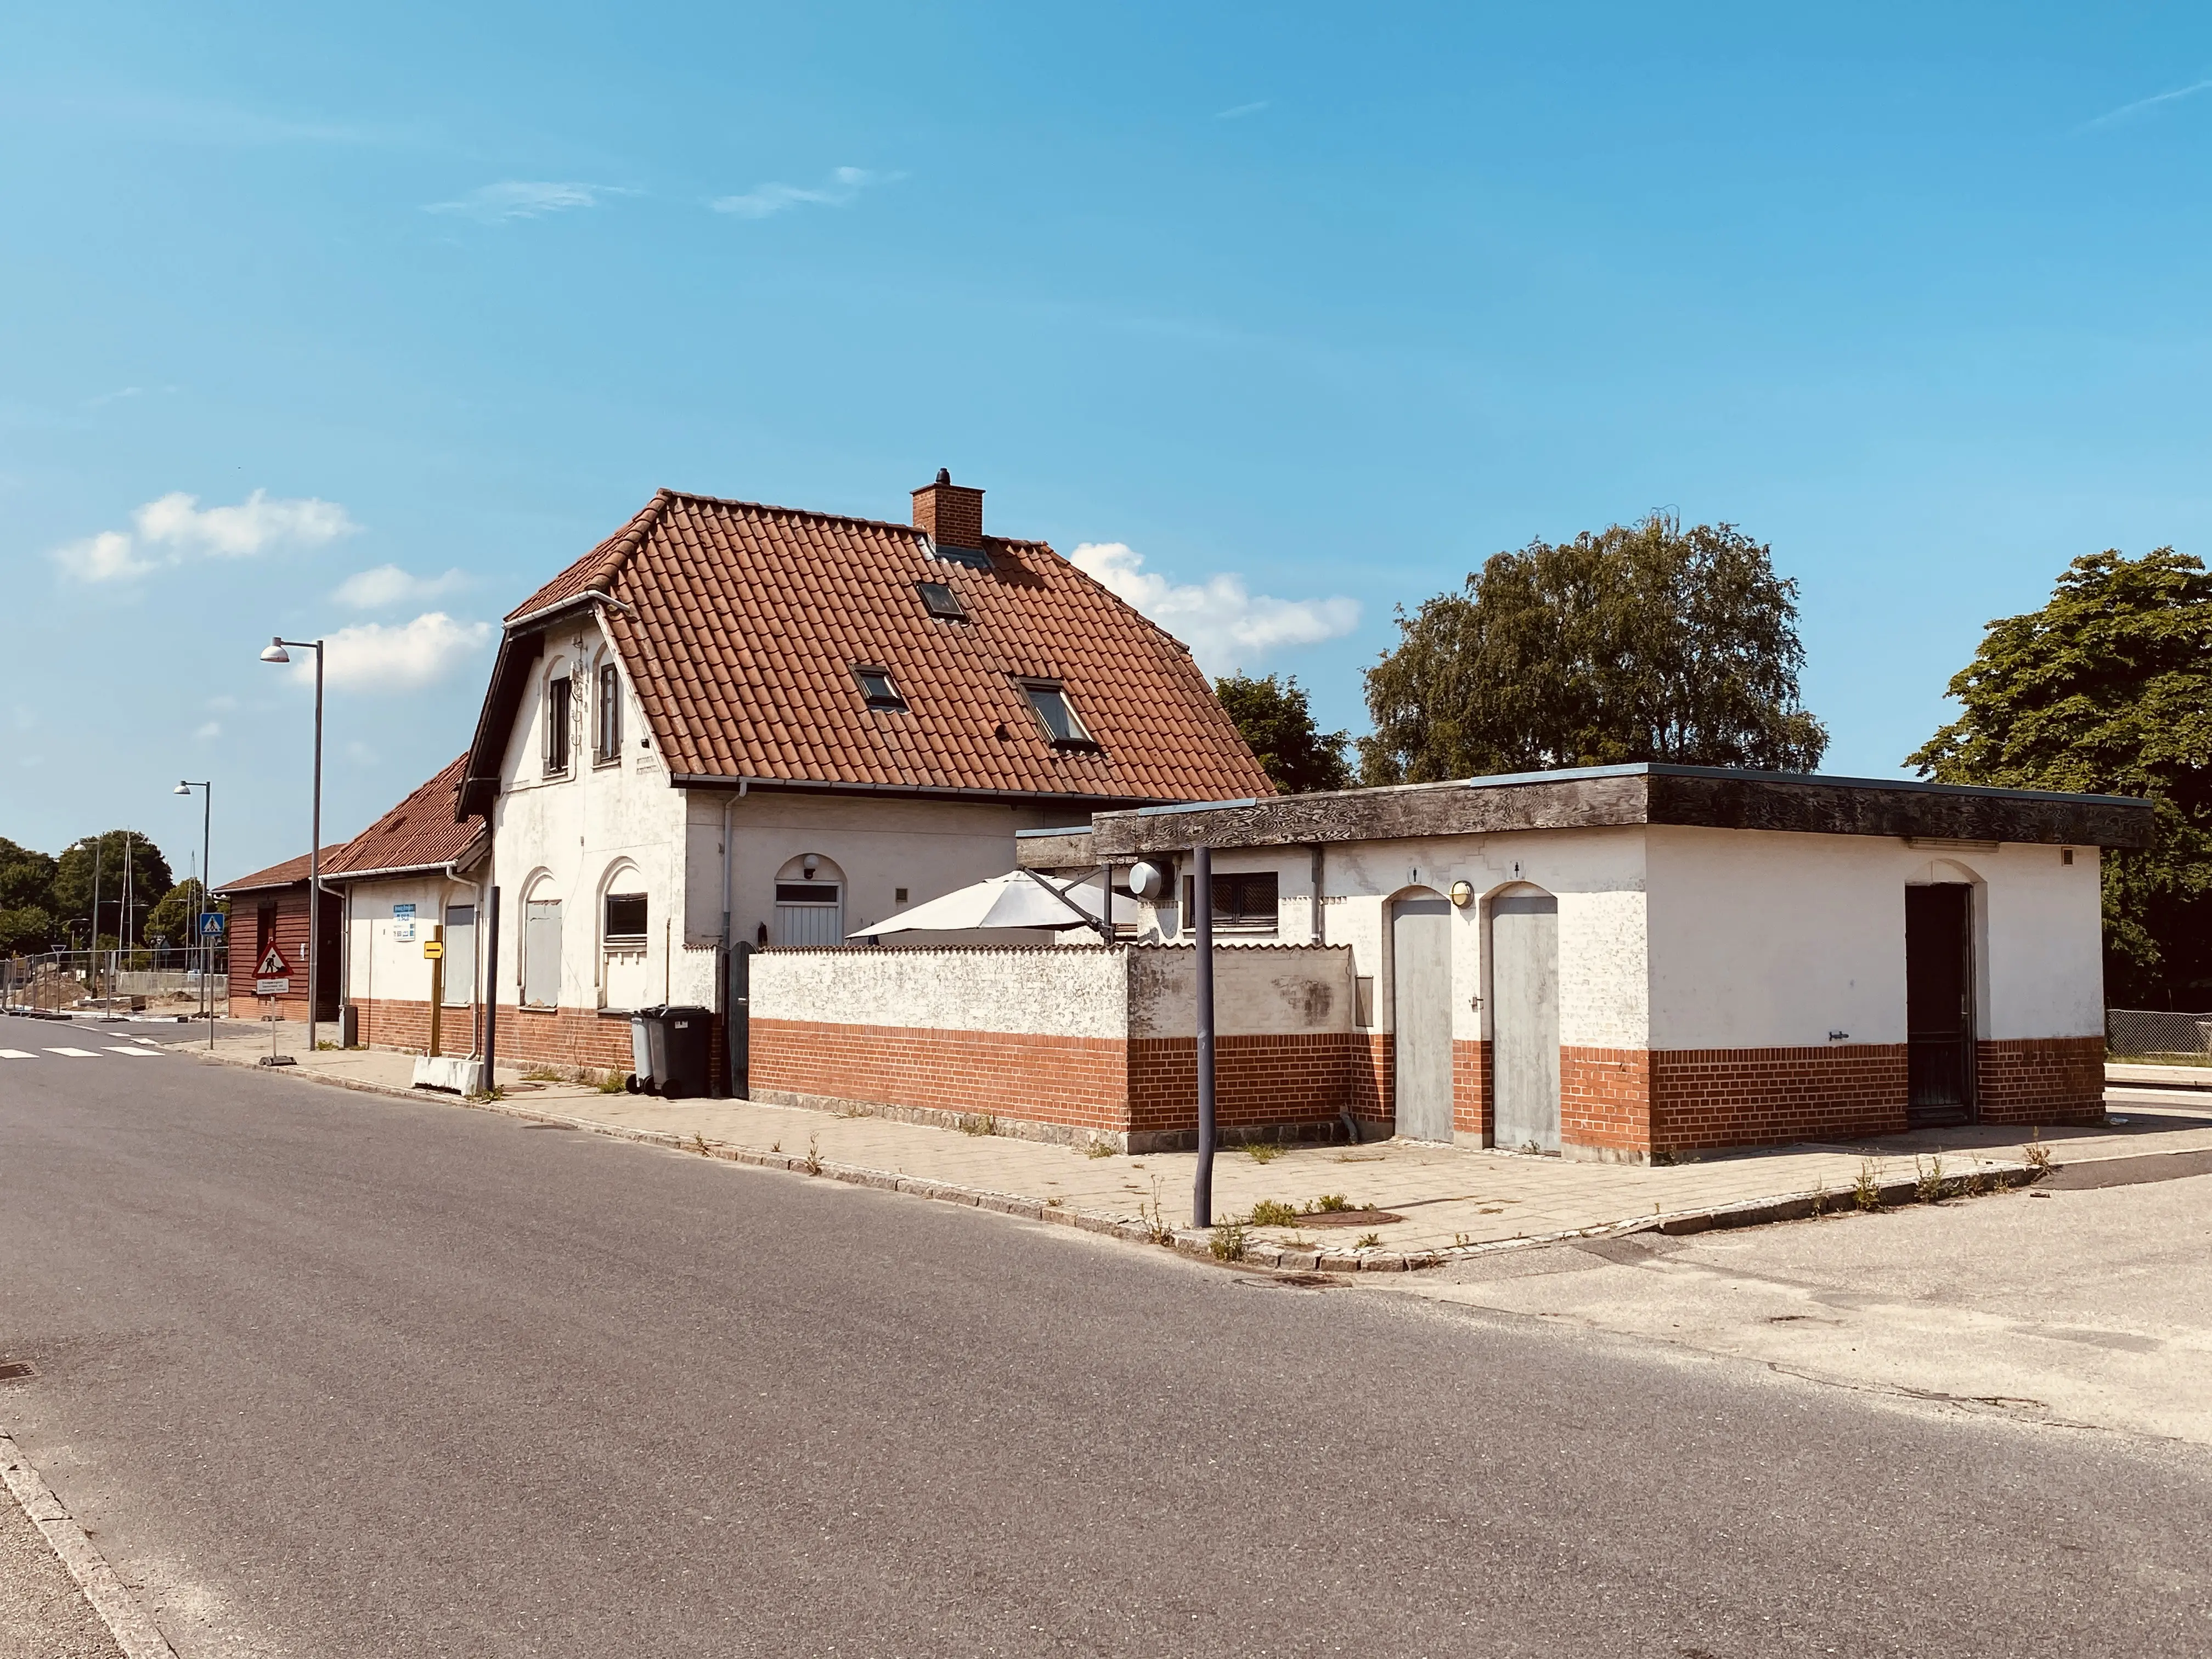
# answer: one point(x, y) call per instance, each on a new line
point(333, 1375)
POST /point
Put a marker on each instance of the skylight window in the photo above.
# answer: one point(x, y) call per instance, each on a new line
point(941, 601)
point(877, 688)
point(1057, 715)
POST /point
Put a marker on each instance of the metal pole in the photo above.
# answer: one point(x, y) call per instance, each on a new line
point(490, 974)
point(315, 853)
point(1201, 906)
point(92, 943)
point(207, 903)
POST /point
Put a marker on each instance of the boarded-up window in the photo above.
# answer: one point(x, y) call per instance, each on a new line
point(541, 953)
point(1242, 903)
point(460, 975)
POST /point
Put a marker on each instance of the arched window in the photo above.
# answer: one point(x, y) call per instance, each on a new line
point(541, 946)
point(607, 711)
point(809, 901)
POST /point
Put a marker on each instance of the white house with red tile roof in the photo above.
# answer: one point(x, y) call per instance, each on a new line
point(737, 723)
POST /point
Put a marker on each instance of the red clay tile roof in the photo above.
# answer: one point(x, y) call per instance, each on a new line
point(740, 625)
point(281, 875)
point(419, 833)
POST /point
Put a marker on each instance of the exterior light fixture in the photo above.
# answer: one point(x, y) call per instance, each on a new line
point(276, 651)
point(1462, 894)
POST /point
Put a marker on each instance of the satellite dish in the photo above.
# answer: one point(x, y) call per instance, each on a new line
point(1149, 881)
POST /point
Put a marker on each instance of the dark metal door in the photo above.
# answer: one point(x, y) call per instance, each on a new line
point(1939, 1004)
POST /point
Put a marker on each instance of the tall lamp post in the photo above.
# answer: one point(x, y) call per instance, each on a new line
point(274, 652)
point(185, 787)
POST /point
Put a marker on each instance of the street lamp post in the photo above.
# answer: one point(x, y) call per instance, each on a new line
point(274, 652)
point(185, 787)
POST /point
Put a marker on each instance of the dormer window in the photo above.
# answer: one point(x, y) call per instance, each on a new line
point(877, 688)
point(1056, 715)
point(941, 601)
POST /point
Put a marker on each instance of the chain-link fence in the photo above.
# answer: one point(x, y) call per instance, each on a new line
point(2146, 1033)
point(170, 979)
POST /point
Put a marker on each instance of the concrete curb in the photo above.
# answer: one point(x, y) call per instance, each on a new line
point(1750, 1213)
point(131, 1625)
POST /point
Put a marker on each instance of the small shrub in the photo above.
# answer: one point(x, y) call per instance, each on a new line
point(1866, 1191)
point(1272, 1212)
point(611, 1083)
point(1100, 1149)
point(1158, 1228)
point(1228, 1241)
point(1928, 1179)
point(814, 1155)
point(2035, 1154)
point(1264, 1151)
point(1330, 1204)
point(1368, 1241)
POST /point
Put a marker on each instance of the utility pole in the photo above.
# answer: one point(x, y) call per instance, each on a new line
point(1201, 906)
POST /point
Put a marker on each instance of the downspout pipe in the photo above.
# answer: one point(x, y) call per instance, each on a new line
point(722, 1000)
point(1201, 904)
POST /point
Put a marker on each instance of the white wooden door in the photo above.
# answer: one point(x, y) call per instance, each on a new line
point(1524, 1020)
point(1420, 977)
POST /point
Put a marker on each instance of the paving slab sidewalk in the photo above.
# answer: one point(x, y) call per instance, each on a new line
point(1438, 1201)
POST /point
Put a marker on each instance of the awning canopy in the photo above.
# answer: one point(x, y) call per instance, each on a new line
point(1020, 898)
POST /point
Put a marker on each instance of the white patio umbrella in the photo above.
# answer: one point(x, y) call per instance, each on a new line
point(1016, 899)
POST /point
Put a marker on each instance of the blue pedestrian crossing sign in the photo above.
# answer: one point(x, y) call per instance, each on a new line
point(211, 925)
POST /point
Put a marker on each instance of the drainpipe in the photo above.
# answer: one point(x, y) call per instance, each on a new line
point(722, 957)
point(1320, 928)
point(1201, 904)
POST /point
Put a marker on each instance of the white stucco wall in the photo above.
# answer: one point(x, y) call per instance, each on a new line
point(378, 963)
point(1258, 989)
point(1033, 990)
point(1770, 940)
point(614, 826)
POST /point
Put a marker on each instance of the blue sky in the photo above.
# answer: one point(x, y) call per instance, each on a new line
point(371, 321)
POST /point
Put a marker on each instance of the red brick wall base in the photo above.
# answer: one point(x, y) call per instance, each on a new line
point(1141, 1093)
point(2041, 1080)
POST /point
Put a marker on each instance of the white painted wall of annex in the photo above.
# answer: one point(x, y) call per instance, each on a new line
point(1768, 939)
point(1597, 875)
point(602, 826)
point(378, 963)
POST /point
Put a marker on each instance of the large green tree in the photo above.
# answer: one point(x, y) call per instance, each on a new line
point(150, 880)
point(1642, 641)
point(2107, 689)
point(177, 917)
point(1278, 722)
point(26, 899)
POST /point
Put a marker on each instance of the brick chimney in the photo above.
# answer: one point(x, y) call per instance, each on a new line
point(950, 514)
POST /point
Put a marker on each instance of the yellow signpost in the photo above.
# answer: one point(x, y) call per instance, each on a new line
point(435, 948)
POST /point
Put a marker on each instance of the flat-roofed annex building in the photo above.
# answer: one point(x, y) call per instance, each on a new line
point(1643, 961)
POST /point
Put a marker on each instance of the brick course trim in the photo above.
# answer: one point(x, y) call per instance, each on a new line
point(2040, 1080)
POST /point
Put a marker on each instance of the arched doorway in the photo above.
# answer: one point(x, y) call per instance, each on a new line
point(1524, 1018)
point(809, 901)
point(1421, 1016)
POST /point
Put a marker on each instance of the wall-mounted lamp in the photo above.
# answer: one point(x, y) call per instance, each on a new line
point(1462, 894)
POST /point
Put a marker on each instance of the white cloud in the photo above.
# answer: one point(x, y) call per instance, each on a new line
point(521, 198)
point(764, 201)
point(1239, 112)
point(212, 729)
point(388, 585)
point(1225, 625)
point(175, 527)
point(374, 657)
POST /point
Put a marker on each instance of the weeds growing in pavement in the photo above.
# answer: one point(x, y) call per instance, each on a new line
point(1928, 1180)
point(611, 1083)
point(699, 1145)
point(1158, 1228)
point(1820, 1199)
point(325, 1043)
point(1097, 1148)
point(1329, 1204)
point(979, 1123)
point(1264, 1151)
point(2035, 1154)
point(814, 1155)
point(1272, 1212)
point(1228, 1241)
point(1975, 1181)
point(1866, 1191)
point(852, 1109)
point(775, 1146)
point(1368, 1241)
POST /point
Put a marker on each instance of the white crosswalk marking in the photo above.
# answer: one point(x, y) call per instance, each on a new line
point(140, 1054)
point(16, 1054)
point(75, 1054)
